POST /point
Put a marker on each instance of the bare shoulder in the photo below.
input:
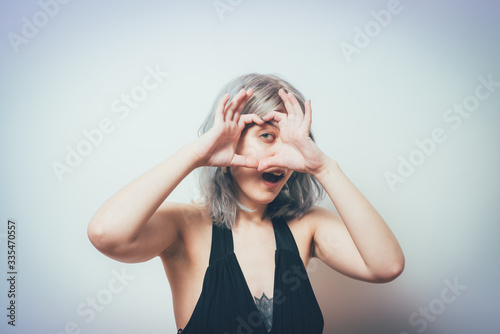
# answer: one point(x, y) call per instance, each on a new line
point(184, 213)
point(192, 221)
point(305, 228)
point(318, 215)
point(314, 217)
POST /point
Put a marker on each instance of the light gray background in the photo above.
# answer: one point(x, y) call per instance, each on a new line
point(367, 111)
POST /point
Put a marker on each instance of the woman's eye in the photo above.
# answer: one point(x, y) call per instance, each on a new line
point(267, 136)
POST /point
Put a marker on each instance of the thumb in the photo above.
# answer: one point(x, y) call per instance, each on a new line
point(273, 161)
point(240, 160)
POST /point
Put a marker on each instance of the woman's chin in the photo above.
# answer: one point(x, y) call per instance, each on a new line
point(264, 198)
point(261, 194)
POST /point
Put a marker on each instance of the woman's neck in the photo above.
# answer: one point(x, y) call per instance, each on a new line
point(253, 218)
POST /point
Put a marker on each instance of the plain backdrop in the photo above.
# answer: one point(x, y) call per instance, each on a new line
point(384, 78)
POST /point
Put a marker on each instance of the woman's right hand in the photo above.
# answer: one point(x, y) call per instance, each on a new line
point(217, 146)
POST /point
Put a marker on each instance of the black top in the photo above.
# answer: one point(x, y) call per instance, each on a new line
point(226, 305)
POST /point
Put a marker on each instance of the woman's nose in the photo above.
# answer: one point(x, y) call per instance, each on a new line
point(275, 148)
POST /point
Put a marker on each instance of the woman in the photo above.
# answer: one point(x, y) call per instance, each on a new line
point(236, 260)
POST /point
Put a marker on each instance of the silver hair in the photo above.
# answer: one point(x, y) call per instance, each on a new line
point(300, 192)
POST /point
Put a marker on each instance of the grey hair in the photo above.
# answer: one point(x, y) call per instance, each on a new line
point(300, 192)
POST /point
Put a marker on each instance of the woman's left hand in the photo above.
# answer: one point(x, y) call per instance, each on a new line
point(299, 152)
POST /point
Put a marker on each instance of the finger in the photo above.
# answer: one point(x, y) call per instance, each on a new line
point(242, 103)
point(297, 109)
point(248, 119)
point(274, 161)
point(233, 104)
point(286, 101)
point(242, 161)
point(228, 116)
point(219, 112)
point(308, 115)
point(278, 116)
point(283, 95)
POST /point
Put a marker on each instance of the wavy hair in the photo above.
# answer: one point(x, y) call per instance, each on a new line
point(300, 192)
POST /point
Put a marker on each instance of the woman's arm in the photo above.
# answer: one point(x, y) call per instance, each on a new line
point(358, 243)
point(131, 226)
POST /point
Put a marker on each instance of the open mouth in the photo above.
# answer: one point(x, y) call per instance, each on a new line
point(273, 178)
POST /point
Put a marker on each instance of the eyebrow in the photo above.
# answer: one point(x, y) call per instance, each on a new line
point(271, 123)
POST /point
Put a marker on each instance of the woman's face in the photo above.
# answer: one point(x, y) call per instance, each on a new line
point(254, 187)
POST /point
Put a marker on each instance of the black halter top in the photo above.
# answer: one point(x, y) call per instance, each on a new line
point(226, 305)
